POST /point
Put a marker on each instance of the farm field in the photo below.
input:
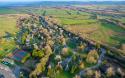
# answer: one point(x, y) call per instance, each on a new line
point(93, 28)
point(82, 22)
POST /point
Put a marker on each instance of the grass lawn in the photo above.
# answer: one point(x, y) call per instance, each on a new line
point(64, 74)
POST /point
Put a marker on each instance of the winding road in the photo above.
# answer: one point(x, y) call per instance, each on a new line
point(6, 71)
point(103, 52)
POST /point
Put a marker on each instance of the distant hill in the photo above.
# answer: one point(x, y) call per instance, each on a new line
point(59, 3)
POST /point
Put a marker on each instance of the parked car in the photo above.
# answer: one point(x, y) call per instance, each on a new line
point(6, 63)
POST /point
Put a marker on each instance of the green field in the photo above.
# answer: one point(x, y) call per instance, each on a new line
point(64, 75)
point(76, 21)
point(94, 29)
point(107, 33)
point(122, 19)
point(8, 11)
point(82, 22)
point(7, 24)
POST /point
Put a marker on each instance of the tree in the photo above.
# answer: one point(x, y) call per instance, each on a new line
point(44, 13)
point(81, 47)
point(81, 65)
point(65, 51)
point(58, 68)
point(41, 66)
point(123, 47)
point(21, 75)
point(110, 72)
point(120, 72)
point(37, 53)
point(51, 73)
point(97, 74)
point(48, 49)
point(25, 58)
point(24, 36)
point(74, 67)
point(89, 73)
point(63, 40)
point(92, 57)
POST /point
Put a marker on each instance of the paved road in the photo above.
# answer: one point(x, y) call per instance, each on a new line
point(6, 71)
point(103, 52)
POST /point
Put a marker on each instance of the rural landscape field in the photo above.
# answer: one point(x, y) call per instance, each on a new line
point(62, 39)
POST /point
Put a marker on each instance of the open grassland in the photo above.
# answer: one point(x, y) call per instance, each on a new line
point(8, 24)
point(107, 32)
point(64, 75)
point(6, 46)
point(122, 19)
point(102, 32)
point(77, 22)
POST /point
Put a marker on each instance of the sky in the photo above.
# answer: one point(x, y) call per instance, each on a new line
point(53, 0)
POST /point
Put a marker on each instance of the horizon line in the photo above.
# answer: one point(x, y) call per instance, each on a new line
point(67, 1)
